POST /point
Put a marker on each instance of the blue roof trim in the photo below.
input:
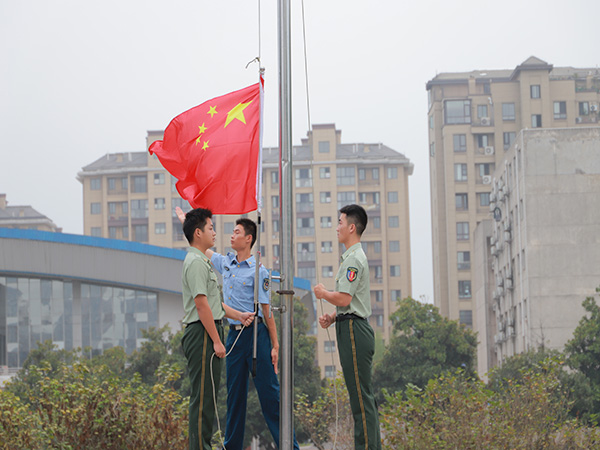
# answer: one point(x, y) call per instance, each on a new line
point(92, 241)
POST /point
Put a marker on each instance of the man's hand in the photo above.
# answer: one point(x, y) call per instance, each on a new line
point(320, 291)
point(246, 318)
point(326, 320)
point(180, 214)
point(275, 358)
point(219, 349)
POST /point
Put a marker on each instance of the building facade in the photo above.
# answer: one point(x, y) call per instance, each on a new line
point(130, 196)
point(474, 119)
point(24, 217)
point(539, 257)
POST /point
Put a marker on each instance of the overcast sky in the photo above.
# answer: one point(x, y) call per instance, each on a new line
point(82, 78)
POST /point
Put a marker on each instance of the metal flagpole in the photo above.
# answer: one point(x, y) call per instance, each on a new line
point(286, 243)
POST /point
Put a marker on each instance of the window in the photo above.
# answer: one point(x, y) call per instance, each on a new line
point(274, 177)
point(329, 346)
point(330, 372)
point(508, 137)
point(395, 271)
point(432, 149)
point(326, 197)
point(484, 198)
point(112, 232)
point(376, 247)
point(395, 295)
point(160, 228)
point(393, 222)
point(96, 208)
point(345, 198)
point(159, 203)
point(178, 201)
point(462, 202)
point(483, 140)
point(463, 260)
point(173, 184)
point(112, 184)
point(345, 176)
point(96, 231)
point(307, 272)
point(392, 173)
point(392, 197)
point(96, 184)
point(326, 222)
point(362, 174)
point(326, 247)
point(560, 110)
point(464, 289)
point(140, 233)
point(508, 111)
point(584, 108)
point(482, 111)
point(431, 122)
point(303, 177)
point(139, 210)
point(323, 146)
point(275, 201)
point(378, 296)
point(159, 178)
point(305, 226)
point(460, 172)
point(276, 250)
point(487, 88)
point(125, 207)
point(457, 111)
point(324, 172)
point(462, 231)
point(304, 202)
point(228, 227)
point(376, 222)
point(139, 183)
point(484, 169)
point(327, 271)
point(535, 91)
point(378, 271)
point(375, 173)
point(465, 317)
point(460, 142)
point(536, 121)
point(112, 208)
point(305, 251)
point(394, 246)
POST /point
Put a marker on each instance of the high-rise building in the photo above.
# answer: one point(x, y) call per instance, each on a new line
point(130, 196)
point(474, 118)
point(24, 217)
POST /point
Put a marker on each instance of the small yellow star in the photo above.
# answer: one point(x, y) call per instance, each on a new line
point(237, 113)
point(205, 145)
point(202, 130)
point(212, 111)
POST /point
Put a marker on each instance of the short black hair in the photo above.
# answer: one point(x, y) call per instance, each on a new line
point(196, 218)
point(249, 228)
point(357, 215)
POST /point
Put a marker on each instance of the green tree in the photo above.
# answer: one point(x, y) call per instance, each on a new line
point(424, 345)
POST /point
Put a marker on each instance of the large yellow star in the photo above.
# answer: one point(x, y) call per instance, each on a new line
point(202, 130)
point(205, 145)
point(237, 113)
point(212, 111)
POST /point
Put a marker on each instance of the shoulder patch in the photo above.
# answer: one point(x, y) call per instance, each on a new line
point(266, 284)
point(351, 274)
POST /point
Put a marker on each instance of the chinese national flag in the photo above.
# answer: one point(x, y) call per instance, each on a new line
point(214, 150)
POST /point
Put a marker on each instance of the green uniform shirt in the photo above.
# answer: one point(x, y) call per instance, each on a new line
point(198, 278)
point(353, 278)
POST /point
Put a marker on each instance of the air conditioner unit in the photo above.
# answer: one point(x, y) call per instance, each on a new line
point(511, 331)
point(489, 150)
point(493, 250)
point(485, 121)
point(509, 283)
point(487, 179)
point(507, 236)
point(578, 119)
point(594, 108)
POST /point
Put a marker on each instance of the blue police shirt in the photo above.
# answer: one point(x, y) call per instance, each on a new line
point(238, 282)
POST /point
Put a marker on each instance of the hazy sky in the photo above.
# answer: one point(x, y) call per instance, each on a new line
point(82, 78)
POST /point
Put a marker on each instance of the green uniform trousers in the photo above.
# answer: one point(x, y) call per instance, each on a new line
point(356, 346)
point(198, 350)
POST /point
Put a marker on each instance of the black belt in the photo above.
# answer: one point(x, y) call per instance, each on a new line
point(238, 327)
point(342, 317)
point(217, 322)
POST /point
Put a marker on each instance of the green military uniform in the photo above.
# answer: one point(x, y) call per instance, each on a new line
point(198, 278)
point(356, 346)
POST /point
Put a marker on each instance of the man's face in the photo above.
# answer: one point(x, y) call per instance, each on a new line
point(343, 228)
point(207, 236)
point(239, 239)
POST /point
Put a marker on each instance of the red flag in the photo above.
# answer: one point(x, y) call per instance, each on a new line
point(213, 150)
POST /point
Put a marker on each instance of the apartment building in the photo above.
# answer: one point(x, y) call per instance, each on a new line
point(130, 196)
point(474, 118)
point(24, 217)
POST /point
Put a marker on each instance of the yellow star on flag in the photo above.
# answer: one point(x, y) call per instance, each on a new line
point(205, 145)
point(212, 111)
point(202, 130)
point(237, 113)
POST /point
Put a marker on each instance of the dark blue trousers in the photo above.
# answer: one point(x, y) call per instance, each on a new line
point(239, 367)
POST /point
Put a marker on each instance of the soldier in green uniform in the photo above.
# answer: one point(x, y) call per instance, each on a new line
point(203, 321)
point(355, 337)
